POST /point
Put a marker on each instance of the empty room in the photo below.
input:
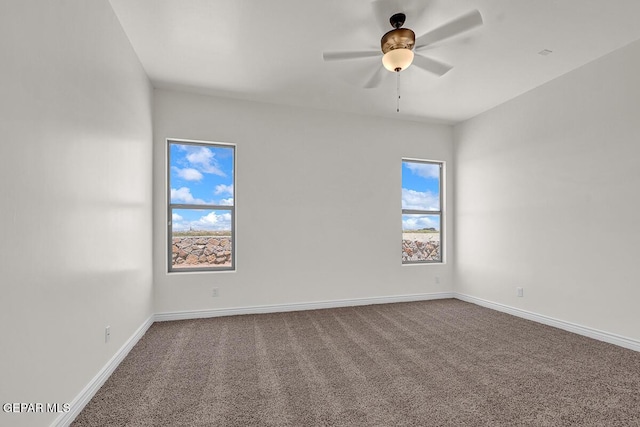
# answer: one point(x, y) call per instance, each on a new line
point(320, 213)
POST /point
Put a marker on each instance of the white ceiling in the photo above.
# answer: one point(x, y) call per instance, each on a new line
point(271, 51)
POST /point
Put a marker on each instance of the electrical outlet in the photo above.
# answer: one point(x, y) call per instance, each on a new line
point(520, 292)
point(107, 334)
point(215, 293)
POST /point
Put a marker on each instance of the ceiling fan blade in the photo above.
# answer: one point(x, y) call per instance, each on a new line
point(339, 56)
point(452, 28)
point(431, 65)
point(376, 78)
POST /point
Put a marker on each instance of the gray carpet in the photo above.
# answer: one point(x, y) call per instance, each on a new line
point(433, 363)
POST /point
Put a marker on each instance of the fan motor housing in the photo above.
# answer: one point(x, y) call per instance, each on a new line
point(400, 38)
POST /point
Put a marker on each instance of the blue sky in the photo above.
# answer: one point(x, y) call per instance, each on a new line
point(420, 191)
point(201, 175)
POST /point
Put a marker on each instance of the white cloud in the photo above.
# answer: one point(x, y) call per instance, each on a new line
point(213, 221)
point(210, 222)
point(419, 222)
point(209, 219)
point(183, 195)
point(188, 174)
point(204, 160)
point(425, 170)
point(176, 218)
point(224, 189)
point(426, 201)
point(226, 202)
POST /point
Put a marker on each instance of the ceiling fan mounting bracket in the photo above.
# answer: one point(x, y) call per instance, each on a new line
point(397, 20)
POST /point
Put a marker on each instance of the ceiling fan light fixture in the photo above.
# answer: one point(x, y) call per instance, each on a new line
point(397, 60)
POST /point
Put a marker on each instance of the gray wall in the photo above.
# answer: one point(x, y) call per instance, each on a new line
point(318, 203)
point(548, 194)
point(75, 179)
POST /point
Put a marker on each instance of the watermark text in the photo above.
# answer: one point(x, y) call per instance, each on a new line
point(20, 408)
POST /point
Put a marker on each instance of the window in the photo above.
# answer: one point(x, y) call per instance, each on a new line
point(201, 208)
point(421, 211)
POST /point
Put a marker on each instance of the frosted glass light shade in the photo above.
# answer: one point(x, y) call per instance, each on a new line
point(397, 59)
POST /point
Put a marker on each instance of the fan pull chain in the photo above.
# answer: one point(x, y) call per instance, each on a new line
point(398, 91)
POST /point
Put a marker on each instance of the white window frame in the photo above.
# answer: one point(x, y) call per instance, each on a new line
point(171, 206)
point(439, 213)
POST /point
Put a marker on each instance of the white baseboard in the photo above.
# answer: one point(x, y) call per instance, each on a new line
point(557, 323)
point(278, 308)
point(94, 385)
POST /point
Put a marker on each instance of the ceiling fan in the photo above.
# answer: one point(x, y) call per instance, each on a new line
point(398, 46)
